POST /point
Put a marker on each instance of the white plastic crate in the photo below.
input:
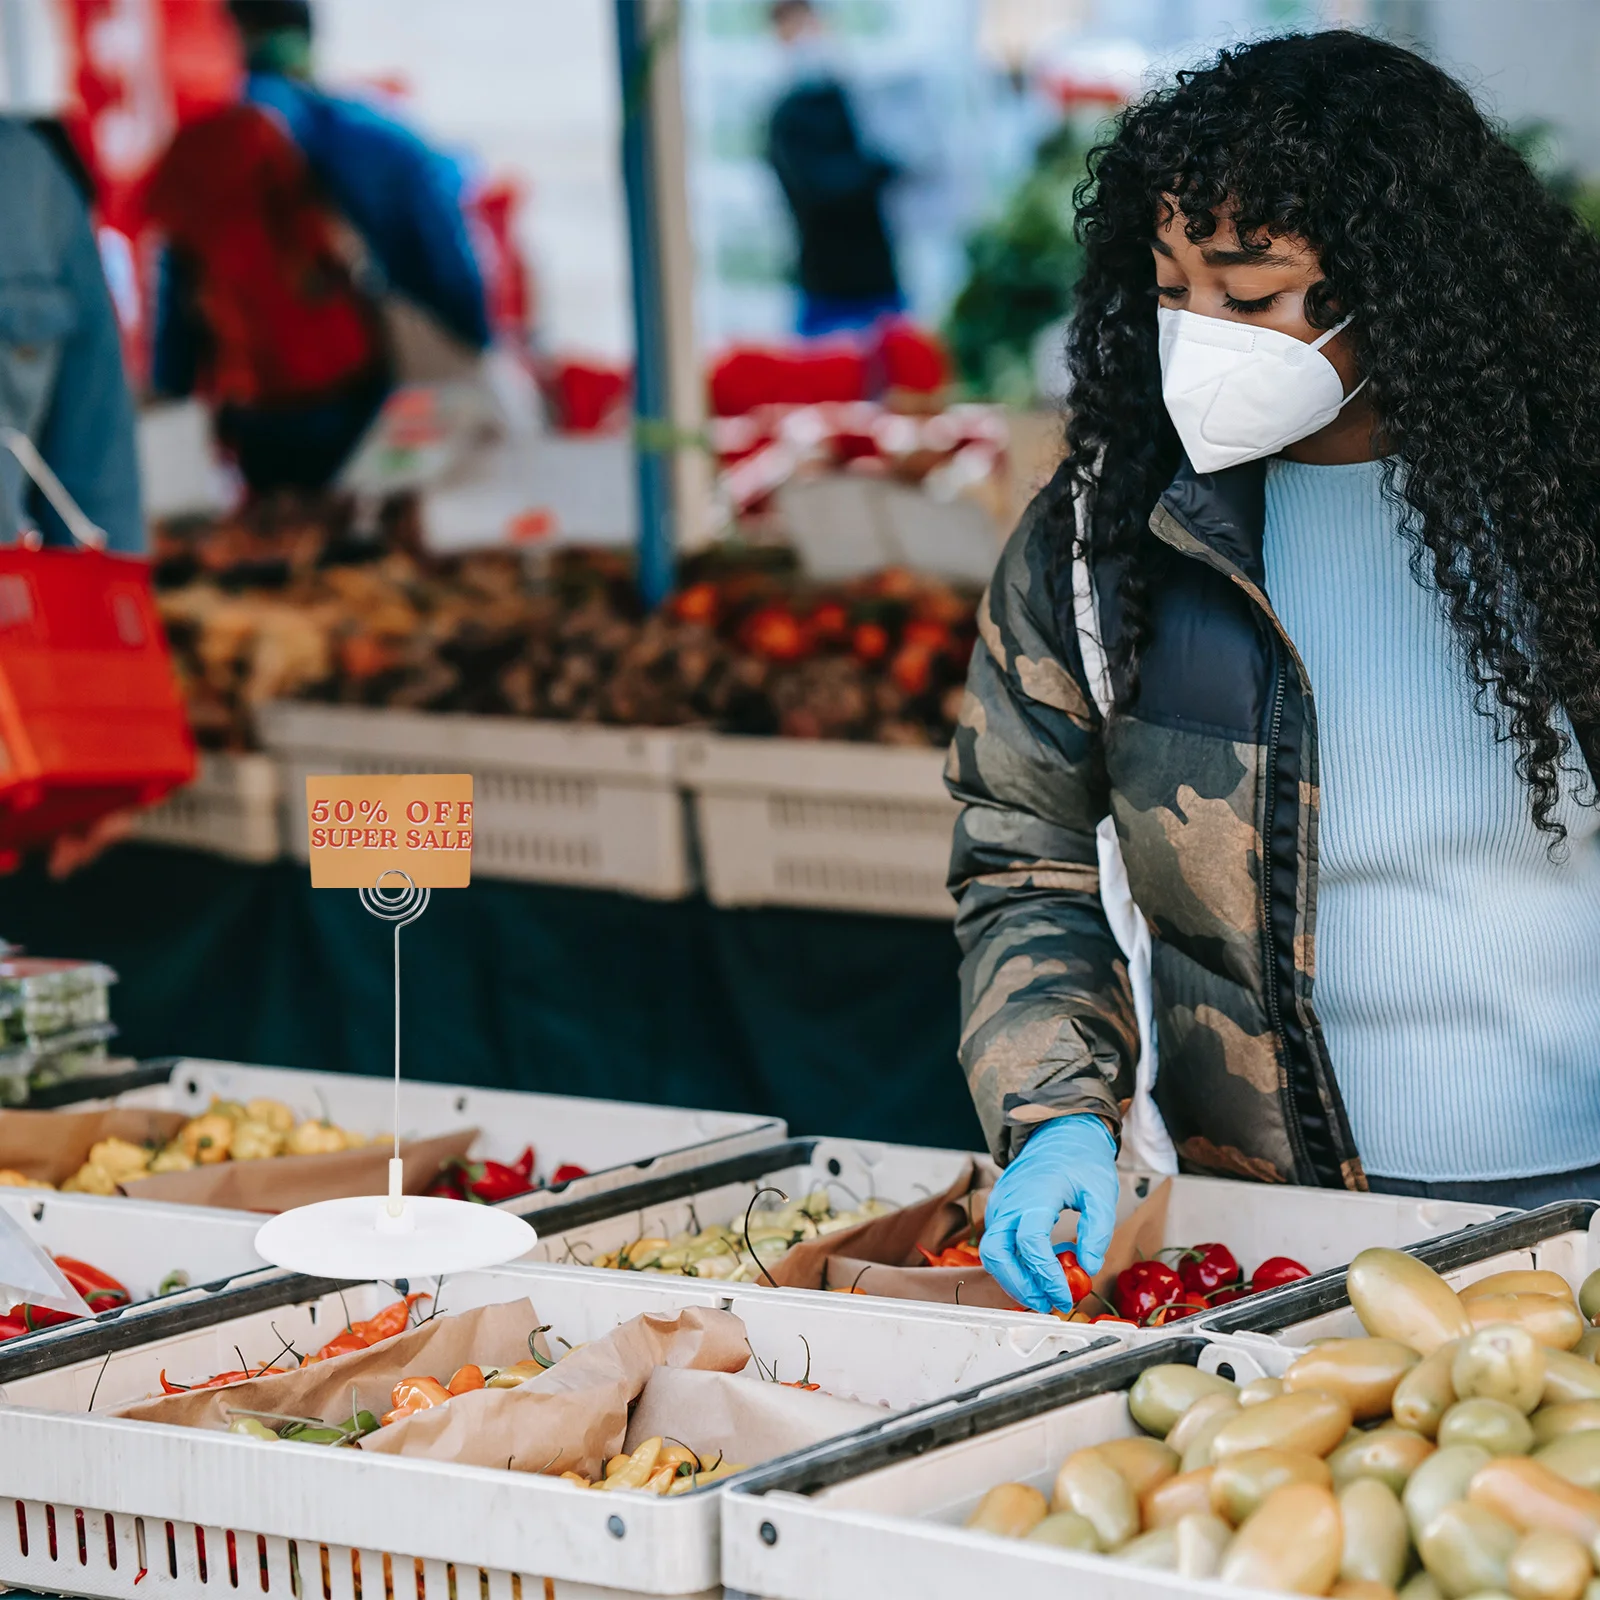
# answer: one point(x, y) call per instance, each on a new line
point(231, 809)
point(137, 1241)
point(618, 1141)
point(1321, 1228)
point(843, 827)
point(900, 1529)
point(552, 803)
point(105, 1504)
point(904, 1523)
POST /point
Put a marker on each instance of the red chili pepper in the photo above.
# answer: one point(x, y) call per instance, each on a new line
point(99, 1288)
point(12, 1326)
point(386, 1324)
point(523, 1166)
point(220, 1381)
point(493, 1180)
point(1145, 1287)
point(1276, 1271)
point(566, 1172)
point(36, 1317)
point(1205, 1268)
point(1079, 1283)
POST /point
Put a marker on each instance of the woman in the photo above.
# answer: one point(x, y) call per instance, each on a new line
point(1335, 427)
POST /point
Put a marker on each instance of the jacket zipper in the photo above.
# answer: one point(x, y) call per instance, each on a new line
point(1269, 942)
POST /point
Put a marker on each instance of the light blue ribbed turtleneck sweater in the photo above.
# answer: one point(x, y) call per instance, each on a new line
point(1457, 966)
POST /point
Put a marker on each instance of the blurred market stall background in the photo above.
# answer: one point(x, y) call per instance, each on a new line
point(697, 359)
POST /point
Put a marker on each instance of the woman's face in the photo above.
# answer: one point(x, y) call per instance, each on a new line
point(1219, 278)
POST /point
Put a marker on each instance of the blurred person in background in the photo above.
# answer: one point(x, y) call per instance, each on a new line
point(834, 185)
point(1335, 424)
point(265, 306)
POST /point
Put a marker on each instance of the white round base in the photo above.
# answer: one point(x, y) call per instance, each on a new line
point(358, 1239)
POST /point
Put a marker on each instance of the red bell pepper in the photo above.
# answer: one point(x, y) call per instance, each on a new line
point(1276, 1271)
point(1144, 1288)
point(1205, 1268)
point(566, 1172)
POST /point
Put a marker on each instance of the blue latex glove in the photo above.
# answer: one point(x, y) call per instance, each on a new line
point(1068, 1164)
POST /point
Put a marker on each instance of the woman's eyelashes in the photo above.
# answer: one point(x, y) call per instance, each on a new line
point(1248, 308)
point(1176, 292)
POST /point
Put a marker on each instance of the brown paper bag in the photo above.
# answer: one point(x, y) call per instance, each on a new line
point(52, 1145)
point(575, 1416)
point(491, 1336)
point(280, 1183)
point(890, 1239)
point(742, 1421)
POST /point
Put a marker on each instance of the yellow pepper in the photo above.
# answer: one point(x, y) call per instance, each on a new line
point(207, 1139)
point(119, 1158)
point(254, 1141)
point(314, 1139)
point(90, 1179)
point(274, 1113)
point(637, 1473)
point(174, 1158)
point(11, 1179)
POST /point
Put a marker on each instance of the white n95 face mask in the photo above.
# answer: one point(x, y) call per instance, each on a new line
point(1236, 393)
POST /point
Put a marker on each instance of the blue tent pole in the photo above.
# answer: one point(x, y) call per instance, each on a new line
point(652, 408)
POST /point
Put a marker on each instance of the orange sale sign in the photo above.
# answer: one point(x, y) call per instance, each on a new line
point(361, 828)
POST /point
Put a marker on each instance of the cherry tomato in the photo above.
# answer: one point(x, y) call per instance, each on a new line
point(1079, 1283)
point(1276, 1271)
point(1205, 1268)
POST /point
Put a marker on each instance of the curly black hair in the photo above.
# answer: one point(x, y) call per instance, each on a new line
point(1476, 298)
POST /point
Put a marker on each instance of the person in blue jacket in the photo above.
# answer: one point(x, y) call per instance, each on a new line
point(61, 377)
point(290, 423)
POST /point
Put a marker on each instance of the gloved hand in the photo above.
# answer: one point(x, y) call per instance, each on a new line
point(1068, 1164)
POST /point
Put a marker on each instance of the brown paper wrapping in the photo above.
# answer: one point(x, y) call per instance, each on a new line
point(280, 1183)
point(890, 1239)
point(745, 1422)
point(881, 1255)
point(575, 1416)
point(51, 1145)
point(572, 1416)
point(491, 1336)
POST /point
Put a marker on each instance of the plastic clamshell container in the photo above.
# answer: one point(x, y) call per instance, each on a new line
point(616, 1140)
point(139, 1242)
point(103, 1504)
point(552, 802)
point(868, 1515)
point(1318, 1227)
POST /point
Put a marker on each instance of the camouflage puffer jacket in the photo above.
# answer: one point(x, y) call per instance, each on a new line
point(1212, 781)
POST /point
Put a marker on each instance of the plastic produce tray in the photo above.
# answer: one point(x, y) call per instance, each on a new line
point(552, 803)
point(105, 1506)
point(844, 827)
point(1319, 1227)
point(1564, 1238)
point(618, 1141)
point(869, 1514)
point(835, 1521)
point(231, 809)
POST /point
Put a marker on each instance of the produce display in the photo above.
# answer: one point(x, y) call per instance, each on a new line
point(285, 602)
point(228, 1131)
point(737, 1254)
point(1453, 1451)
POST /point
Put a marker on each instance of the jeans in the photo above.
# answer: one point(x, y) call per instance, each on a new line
point(1523, 1193)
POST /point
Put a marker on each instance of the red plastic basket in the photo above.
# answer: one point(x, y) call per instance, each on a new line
point(91, 720)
